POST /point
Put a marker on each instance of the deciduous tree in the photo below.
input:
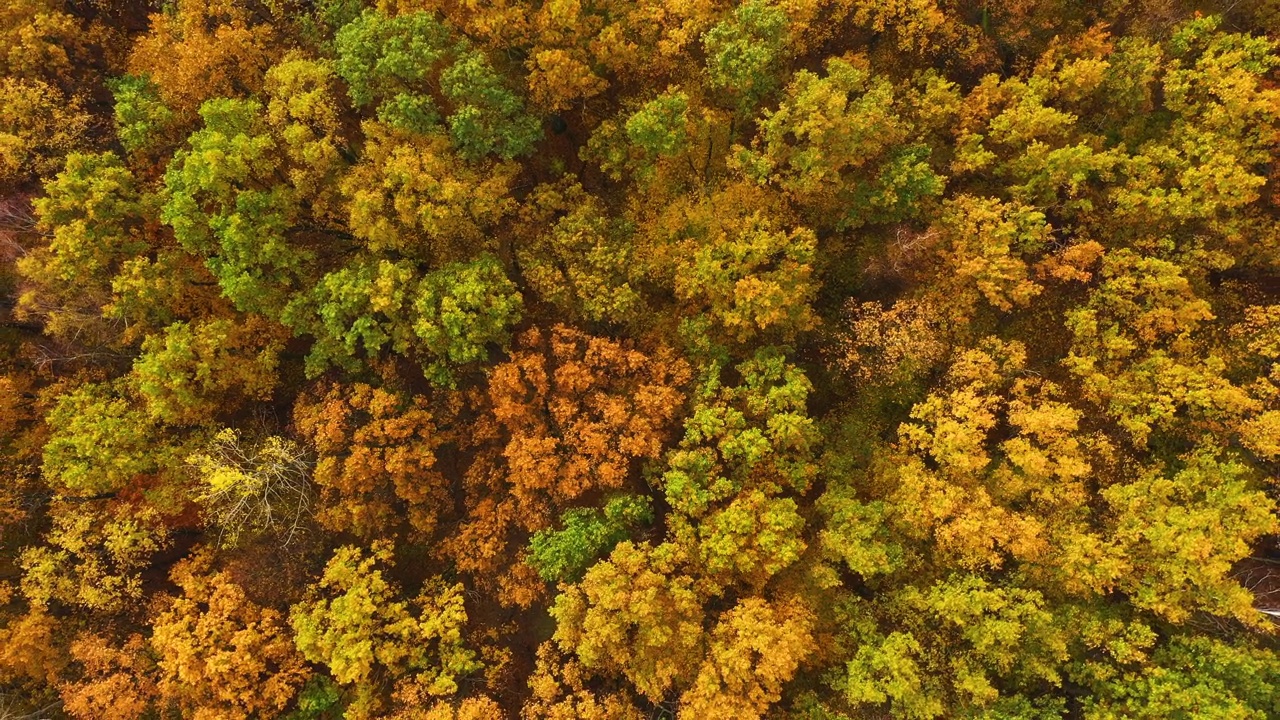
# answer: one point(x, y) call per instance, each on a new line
point(355, 623)
point(220, 654)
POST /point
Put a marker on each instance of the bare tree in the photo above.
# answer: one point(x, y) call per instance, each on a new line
point(261, 487)
point(12, 709)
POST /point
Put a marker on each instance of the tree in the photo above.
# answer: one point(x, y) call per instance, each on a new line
point(252, 490)
point(585, 263)
point(150, 294)
point(1182, 530)
point(221, 655)
point(463, 309)
point(979, 505)
point(93, 558)
point(391, 58)
point(31, 651)
point(732, 280)
point(587, 534)
point(118, 679)
point(101, 441)
point(40, 127)
point(143, 121)
point(962, 640)
point(1136, 352)
point(753, 538)
point(412, 194)
point(562, 690)
point(1212, 87)
point(754, 650)
point(364, 305)
point(743, 52)
point(226, 203)
point(635, 614)
point(448, 317)
point(353, 621)
point(843, 144)
point(304, 110)
point(191, 373)
point(753, 435)
point(200, 50)
point(376, 457)
point(578, 412)
point(745, 449)
point(1192, 675)
point(42, 42)
point(741, 276)
point(93, 212)
point(856, 533)
point(892, 345)
point(659, 128)
point(487, 117)
point(557, 78)
point(983, 250)
point(381, 56)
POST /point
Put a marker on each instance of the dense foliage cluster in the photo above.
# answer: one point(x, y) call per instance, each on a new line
point(626, 359)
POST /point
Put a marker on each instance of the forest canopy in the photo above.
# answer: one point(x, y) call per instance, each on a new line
point(639, 359)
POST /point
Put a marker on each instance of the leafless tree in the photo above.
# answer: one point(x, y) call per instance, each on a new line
point(262, 487)
point(12, 709)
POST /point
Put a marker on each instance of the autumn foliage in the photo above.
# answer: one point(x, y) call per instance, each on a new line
point(639, 359)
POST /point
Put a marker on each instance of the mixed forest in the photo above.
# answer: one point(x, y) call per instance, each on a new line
point(639, 359)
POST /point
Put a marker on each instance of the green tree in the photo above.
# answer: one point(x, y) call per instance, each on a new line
point(394, 60)
point(587, 534)
point(142, 119)
point(487, 117)
point(93, 213)
point(955, 646)
point(100, 441)
point(381, 56)
point(462, 309)
point(191, 373)
point(743, 53)
point(1192, 677)
point(1182, 531)
point(227, 203)
point(448, 317)
point(845, 144)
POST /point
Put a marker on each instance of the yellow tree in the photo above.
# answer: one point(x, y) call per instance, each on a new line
point(563, 689)
point(636, 614)
point(40, 126)
point(220, 655)
point(354, 622)
point(754, 650)
point(204, 50)
point(1137, 351)
point(93, 558)
point(116, 679)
